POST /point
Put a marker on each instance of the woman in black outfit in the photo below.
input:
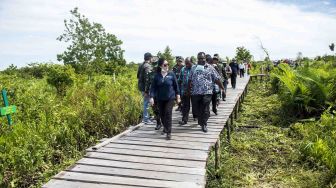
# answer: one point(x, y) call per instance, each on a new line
point(164, 87)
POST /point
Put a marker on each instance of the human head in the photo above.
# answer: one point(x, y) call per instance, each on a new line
point(179, 60)
point(215, 60)
point(201, 57)
point(148, 56)
point(163, 64)
point(208, 58)
point(188, 62)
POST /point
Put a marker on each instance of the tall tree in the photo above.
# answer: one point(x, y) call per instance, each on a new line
point(243, 54)
point(92, 49)
point(167, 54)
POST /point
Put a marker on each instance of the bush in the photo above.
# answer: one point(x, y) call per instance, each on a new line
point(51, 132)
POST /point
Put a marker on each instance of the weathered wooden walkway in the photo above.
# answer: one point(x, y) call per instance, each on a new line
point(142, 157)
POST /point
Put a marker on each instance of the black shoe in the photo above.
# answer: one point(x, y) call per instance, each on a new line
point(158, 126)
point(163, 132)
point(204, 128)
point(215, 112)
point(182, 122)
point(168, 137)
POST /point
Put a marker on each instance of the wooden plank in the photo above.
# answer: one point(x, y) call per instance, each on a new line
point(56, 183)
point(164, 144)
point(197, 156)
point(155, 148)
point(174, 137)
point(179, 134)
point(135, 173)
point(94, 178)
point(149, 160)
point(163, 140)
point(183, 129)
point(144, 166)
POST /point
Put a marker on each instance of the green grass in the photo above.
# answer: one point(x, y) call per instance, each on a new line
point(265, 156)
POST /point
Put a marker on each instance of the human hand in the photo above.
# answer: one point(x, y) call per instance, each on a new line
point(151, 101)
point(178, 99)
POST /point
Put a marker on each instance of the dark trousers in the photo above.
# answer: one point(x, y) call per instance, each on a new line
point(214, 98)
point(166, 110)
point(242, 71)
point(200, 105)
point(156, 112)
point(185, 107)
point(233, 80)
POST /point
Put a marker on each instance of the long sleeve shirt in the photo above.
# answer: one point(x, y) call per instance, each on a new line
point(164, 88)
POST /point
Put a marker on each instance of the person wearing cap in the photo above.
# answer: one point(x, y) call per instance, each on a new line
point(177, 70)
point(185, 95)
point(145, 76)
point(235, 70)
point(203, 76)
point(226, 72)
point(164, 87)
point(216, 91)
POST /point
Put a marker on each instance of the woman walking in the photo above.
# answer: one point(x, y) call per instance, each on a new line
point(165, 88)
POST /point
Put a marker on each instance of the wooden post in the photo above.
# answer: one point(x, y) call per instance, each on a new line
point(231, 119)
point(228, 131)
point(7, 110)
point(217, 154)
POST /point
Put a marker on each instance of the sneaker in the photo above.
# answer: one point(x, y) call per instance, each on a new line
point(158, 126)
point(168, 136)
point(204, 128)
point(182, 122)
point(149, 122)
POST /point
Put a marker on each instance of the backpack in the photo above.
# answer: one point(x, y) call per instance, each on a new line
point(141, 78)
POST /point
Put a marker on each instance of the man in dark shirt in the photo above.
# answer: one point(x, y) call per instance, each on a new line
point(234, 68)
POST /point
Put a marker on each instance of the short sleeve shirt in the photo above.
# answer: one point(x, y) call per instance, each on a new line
point(203, 78)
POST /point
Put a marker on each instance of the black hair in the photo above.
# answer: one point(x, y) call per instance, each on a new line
point(160, 63)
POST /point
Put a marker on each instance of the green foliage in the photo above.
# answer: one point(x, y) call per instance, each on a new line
point(51, 132)
point(261, 154)
point(92, 49)
point(243, 54)
point(61, 77)
point(167, 54)
point(306, 91)
point(319, 139)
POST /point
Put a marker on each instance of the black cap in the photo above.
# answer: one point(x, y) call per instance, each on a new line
point(179, 59)
point(147, 56)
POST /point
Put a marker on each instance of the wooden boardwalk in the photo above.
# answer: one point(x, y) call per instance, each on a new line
point(142, 157)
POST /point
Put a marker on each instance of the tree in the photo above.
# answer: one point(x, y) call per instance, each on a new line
point(92, 49)
point(167, 54)
point(61, 77)
point(242, 54)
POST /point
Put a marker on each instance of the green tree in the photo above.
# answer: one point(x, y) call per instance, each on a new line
point(243, 54)
point(167, 54)
point(61, 77)
point(92, 49)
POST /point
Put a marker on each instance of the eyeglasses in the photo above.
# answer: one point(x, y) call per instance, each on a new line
point(165, 65)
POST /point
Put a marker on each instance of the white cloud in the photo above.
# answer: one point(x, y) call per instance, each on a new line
point(30, 27)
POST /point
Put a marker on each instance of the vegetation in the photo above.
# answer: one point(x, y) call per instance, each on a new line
point(92, 50)
point(243, 54)
point(51, 131)
point(265, 152)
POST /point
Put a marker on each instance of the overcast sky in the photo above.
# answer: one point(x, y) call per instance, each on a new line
point(28, 29)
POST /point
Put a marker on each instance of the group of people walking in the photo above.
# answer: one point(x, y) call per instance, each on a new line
point(190, 84)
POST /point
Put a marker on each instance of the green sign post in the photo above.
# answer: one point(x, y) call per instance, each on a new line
point(8, 109)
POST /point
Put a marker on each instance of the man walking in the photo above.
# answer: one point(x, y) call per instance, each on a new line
point(145, 76)
point(235, 69)
point(203, 76)
point(184, 80)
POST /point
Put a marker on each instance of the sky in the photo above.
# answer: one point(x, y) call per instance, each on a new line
point(28, 29)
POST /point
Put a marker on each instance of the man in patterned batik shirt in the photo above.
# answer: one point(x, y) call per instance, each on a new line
point(202, 79)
